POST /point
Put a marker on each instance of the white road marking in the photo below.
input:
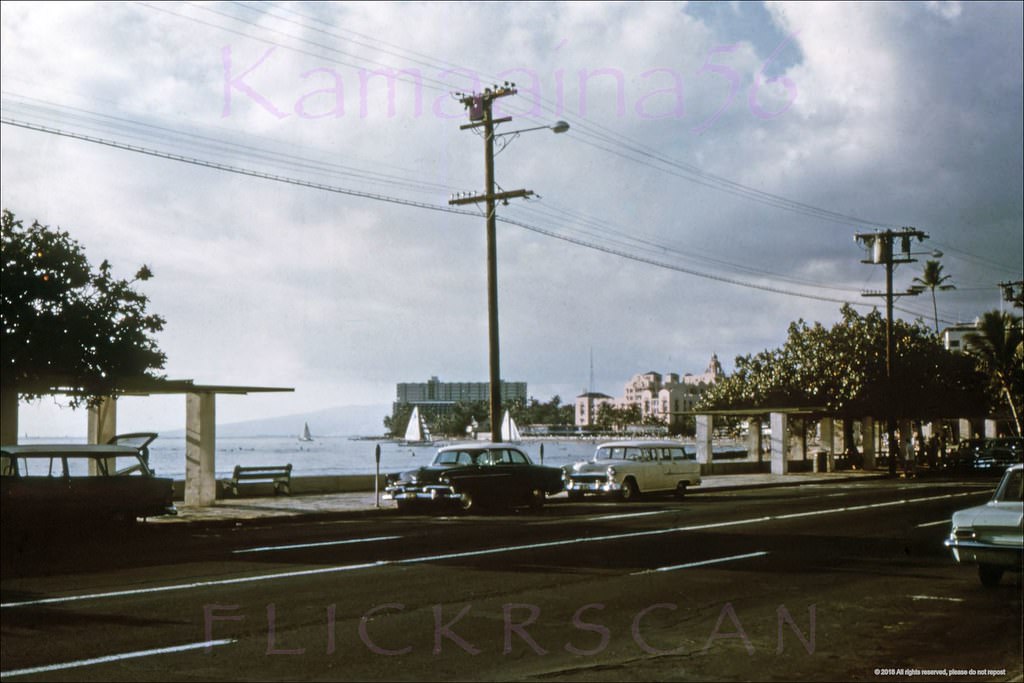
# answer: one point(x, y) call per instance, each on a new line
point(627, 515)
point(702, 563)
point(468, 553)
point(941, 521)
point(935, 597)
point(114, 658)
point(268, 548)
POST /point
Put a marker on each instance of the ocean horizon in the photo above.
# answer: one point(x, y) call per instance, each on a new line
point(331, 455)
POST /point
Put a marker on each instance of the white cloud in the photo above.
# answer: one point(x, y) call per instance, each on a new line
point(903, 113)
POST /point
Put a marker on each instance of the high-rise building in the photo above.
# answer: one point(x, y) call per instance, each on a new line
point(438, 397)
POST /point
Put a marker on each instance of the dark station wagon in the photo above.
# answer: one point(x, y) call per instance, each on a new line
point(473, 476)
point(56, 483)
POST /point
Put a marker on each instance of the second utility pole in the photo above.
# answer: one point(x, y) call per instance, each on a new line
point(481, 115)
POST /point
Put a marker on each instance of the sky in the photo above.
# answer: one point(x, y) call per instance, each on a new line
point(285, 171)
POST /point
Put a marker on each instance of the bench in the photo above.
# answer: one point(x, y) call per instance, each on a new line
point(280, 476)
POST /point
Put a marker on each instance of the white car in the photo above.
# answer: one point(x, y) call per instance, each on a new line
point(630, 468)
point(992, 535)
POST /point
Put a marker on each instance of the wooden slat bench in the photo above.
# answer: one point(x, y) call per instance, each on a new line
point(280, 476)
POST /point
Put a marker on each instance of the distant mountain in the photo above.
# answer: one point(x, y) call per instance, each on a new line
point(336, 421)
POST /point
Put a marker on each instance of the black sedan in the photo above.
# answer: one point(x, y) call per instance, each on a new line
point(474, 476)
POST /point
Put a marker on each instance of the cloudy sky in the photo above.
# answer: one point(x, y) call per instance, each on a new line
point(720, 160)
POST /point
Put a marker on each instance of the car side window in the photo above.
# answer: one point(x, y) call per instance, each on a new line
point(517, 458)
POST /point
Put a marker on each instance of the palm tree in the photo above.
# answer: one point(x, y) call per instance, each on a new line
point(932, 278)
point(999, 347)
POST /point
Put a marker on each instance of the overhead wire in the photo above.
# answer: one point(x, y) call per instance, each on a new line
point(634, 152)
point(414, 204)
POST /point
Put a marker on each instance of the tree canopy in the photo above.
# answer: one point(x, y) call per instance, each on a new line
point(61, 320)
point(998, 346)
point(842, 369)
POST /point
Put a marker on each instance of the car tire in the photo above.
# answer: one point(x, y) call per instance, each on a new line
point(537, 499)
point(680, 491)
point(630, 491)
point(575, 495)
point(406, 506)
point(989, 575)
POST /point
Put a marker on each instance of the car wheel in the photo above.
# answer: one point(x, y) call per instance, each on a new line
point(575, 495)
point(630, 491)
point(536, 499)
point(989, 575)
point(406, 506)
point(681, 490)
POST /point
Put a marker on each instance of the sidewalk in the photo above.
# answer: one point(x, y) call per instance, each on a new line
point(239, 510)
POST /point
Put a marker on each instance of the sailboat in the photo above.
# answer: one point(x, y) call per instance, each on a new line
point(416, 433)
point(306, 436)
point(509, 430)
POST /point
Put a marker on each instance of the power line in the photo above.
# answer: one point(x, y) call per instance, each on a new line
point(228, 168)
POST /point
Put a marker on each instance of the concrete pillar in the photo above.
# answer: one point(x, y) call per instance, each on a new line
point(102, 427)
point(868, 429)
point(754, 438)
point(780, 443)
point(705, 428)
point(991, 429)
point(906, 441)
point(828, 442)
point(200, 434)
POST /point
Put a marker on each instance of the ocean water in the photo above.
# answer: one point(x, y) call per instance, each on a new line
point(330, 455)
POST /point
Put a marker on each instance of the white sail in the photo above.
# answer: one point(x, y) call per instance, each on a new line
point(509, 430)
point(306, 436)
point(414, 432)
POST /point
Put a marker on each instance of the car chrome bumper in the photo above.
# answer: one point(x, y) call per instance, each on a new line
point(975, 552)
point(421, 493)
point(592, 486)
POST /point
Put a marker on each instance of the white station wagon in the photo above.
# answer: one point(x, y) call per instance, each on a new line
point(629, 468)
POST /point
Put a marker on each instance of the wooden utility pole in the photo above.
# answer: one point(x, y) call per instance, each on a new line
point(481, 115)
point(880, 247)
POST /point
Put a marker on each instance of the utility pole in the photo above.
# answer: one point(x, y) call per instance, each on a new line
point(880, 248)
point(481, 115)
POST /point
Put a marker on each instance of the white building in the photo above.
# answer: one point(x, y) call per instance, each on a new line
point(659, 397)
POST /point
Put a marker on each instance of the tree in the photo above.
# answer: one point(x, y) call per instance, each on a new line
point(998, 346)
point(842, 370)
point(932, 278)
point(63, 321)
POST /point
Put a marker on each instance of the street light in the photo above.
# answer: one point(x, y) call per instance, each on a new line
point(481, 114)
point(556, 127)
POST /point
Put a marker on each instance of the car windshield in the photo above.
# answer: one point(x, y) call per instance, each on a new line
point(1011, 490)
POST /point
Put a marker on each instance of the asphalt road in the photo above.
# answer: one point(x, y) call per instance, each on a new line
point(840, 581)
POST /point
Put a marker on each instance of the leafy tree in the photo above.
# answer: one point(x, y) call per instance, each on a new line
point(932, 278)
point(62, 321)
point(998, 346)
point(842, 369)
point(611, 417)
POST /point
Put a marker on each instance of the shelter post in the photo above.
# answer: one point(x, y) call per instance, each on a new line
point(754, 438)
point(102, 427)
point(200, 438)
point(868, 442)
point(780, 443)
point(705, 428)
